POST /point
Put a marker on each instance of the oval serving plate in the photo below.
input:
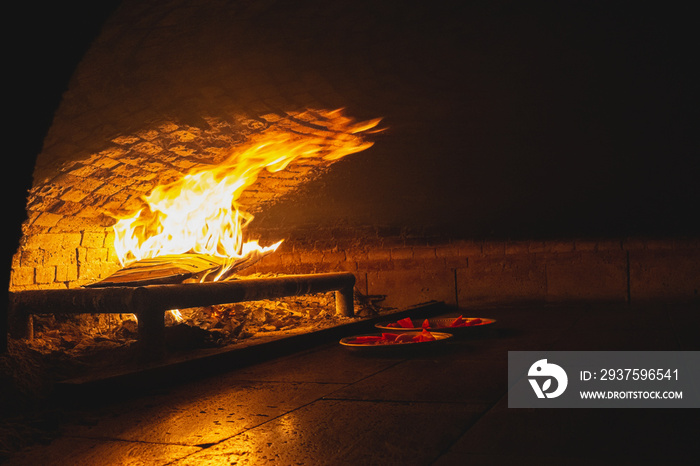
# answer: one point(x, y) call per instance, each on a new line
point(348, 342)
point(441, 324)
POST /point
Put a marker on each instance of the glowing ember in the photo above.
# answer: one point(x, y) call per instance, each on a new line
point(200, 213)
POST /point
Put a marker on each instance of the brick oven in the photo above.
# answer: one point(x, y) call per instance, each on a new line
point(462, 199)
point(529, 164)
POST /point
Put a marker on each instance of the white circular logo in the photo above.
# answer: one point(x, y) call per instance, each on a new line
point(546, 371)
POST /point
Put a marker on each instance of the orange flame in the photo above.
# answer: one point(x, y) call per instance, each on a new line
point(200, 213)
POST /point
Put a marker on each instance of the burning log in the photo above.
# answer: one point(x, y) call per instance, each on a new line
point(151, 302)
point(177, 268)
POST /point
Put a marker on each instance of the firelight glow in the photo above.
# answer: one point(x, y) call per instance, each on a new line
point(200, 212)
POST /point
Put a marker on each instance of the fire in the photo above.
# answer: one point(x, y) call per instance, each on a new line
point(200, 212)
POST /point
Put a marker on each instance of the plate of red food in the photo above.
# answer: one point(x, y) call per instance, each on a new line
point(447, 324)
point(395, 340)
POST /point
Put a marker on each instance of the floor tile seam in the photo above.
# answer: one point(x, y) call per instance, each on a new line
point(263, 381)
point(201, 446)
point(247, 429)
point(346, 385)
point(287, 412)
point(105, 438)
point(477, 405)
point(209, 444)
point(328, 383)
point(244, 430)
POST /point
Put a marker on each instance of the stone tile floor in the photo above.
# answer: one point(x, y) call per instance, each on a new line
point(328, 405)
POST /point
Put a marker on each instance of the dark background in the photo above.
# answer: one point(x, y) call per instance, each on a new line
point(44, 44)
point(524, 120)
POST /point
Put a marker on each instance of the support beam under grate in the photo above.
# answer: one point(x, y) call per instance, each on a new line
point(151, 302)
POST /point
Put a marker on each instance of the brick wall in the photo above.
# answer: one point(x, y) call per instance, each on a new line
point(63, 260)
point(412, 271)
point(494, 272)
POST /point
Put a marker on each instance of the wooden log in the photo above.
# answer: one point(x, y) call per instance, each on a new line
point(168, 269)
point(134, 300)
point(176, 268)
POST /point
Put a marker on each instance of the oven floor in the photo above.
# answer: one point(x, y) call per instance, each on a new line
point(328, 405)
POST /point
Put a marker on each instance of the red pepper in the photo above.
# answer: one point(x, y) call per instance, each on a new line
point(458, 322)
point(406, 323)
point(424, 336)
point(473, 322)
point(426, 323)
point(365, 339)
point(392, 338)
